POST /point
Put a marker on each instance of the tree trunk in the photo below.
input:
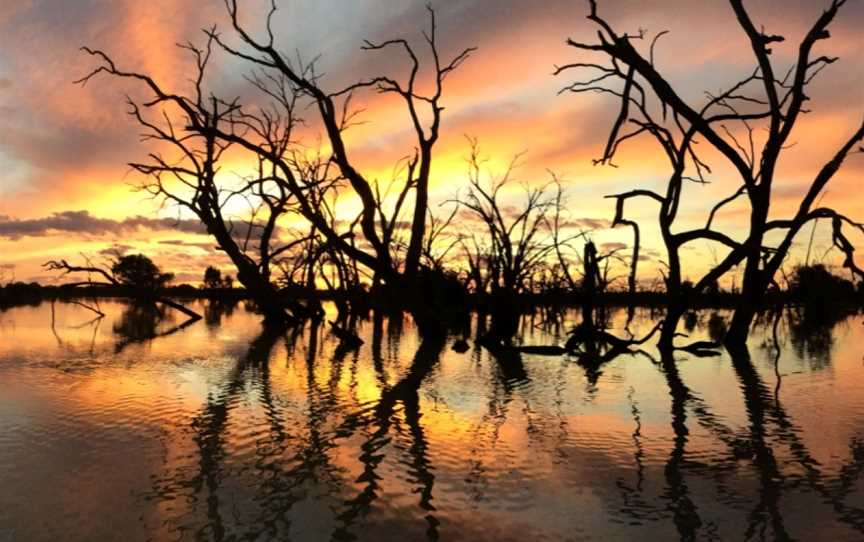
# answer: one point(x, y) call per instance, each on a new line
point(752, 296)
point(754, 282)
point(265, 296)
point(505, 316)
point(258, 286)
point(674, 312)
point(591, 272)
point(676, 304)
point(739, 328)
point(418, 223)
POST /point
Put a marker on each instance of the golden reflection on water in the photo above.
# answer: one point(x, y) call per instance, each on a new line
point(125, 427)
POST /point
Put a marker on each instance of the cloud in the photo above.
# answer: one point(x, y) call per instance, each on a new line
point(116, 250)
point(612, 246)
point(82, 222)
point(587, 223)
point(206, 247)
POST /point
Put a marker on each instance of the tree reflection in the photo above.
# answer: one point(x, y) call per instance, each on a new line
point(143, 322)
point(770, 431)
point(291, 460)
point(684, 511)
point(216, 309)
point(406, 393)
point(812, 335)
point(769, 426)
point(764, 411)
point(300, 454)
point(209, 426)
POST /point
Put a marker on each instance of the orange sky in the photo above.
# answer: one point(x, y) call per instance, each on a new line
point(64, 147)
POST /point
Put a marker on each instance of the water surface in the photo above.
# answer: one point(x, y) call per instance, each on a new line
point(126, 428)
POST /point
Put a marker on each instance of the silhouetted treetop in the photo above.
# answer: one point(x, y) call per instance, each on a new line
point(139, 271)
point(212, 277)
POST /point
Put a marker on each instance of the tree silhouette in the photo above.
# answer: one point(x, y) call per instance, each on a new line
point(139, 271)
point(519, 237)
point(515, 241)
point(762, 100)
point(212, 278)
point(134, 273)
point(289, 180)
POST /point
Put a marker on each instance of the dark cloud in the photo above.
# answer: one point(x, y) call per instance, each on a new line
point(83, 223)
point(207, 247)
point(650, 255)
point(587, 223)
point(116, 250)
point(610, 247)
point(468, 217)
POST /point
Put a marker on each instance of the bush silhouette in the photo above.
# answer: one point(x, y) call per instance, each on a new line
point(814, 286)
point(138, 271)
point(212, 278)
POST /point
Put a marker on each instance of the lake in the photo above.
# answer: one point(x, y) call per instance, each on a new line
point(128, 428)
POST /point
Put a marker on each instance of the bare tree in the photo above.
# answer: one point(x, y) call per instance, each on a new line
point(477, 256)
point(760, 100)
point(211, 125)
point(185, 171)
point(267, 133)
point(517, 242)
point(440, 241)
point(124, 272)
point(332, 107)
point(519, 236)
point(581, 268)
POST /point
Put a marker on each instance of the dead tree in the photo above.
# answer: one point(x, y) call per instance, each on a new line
point(521, 242)
point(477, 256)
point(148, 294)
point(424, 112)
point(761, 100)
point(591, 283)
point(518, 238)
point(266, 133)
point(440, 241)
point(185, 171)
point(317, 264)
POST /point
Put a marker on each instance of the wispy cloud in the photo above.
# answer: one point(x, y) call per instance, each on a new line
point(83, 223)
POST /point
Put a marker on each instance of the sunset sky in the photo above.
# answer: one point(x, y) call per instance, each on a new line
point(65, 188)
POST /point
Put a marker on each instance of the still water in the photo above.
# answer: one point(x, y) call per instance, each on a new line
point(125, 428)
